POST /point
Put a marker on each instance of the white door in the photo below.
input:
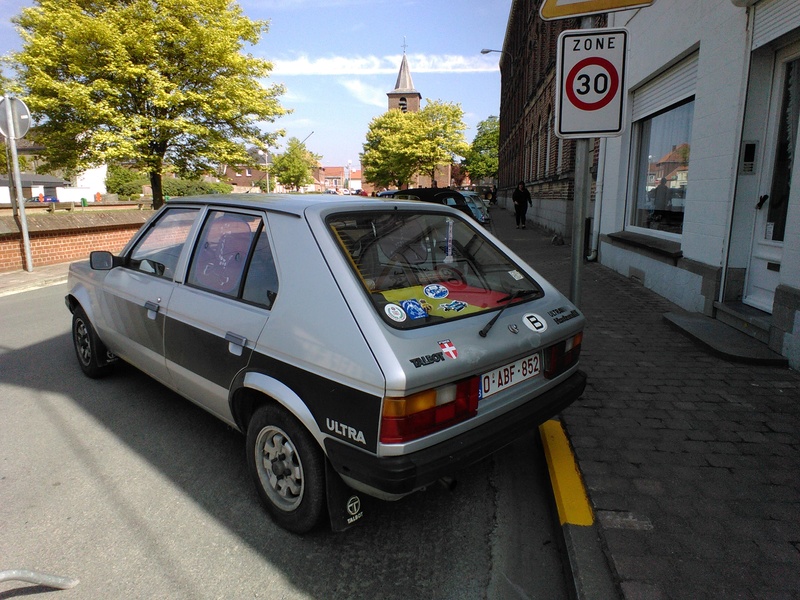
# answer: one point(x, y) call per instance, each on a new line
point(775, 190)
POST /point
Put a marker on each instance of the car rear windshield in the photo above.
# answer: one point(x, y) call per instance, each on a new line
point(421, 268)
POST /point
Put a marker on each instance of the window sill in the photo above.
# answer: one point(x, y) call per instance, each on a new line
point(662, 249)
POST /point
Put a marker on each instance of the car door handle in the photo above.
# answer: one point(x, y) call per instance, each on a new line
point(236, 343)
point(152, 309)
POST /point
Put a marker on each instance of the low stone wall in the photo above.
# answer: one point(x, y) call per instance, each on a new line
point(64, 237)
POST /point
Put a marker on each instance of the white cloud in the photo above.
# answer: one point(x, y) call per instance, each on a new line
point(366, 94)
point(375, 65)
point(291, 95)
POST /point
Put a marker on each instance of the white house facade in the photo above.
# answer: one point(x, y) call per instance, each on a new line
point(699, 198)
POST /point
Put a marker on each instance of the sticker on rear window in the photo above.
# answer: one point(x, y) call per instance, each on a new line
point(395, 313)
point(414, 309)
point(515, 274)
point(436, 291)
point(455, 305)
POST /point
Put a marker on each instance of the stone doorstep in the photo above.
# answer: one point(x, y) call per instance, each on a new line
point(725, 341)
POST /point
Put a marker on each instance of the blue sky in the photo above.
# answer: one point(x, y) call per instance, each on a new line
point(339, 58)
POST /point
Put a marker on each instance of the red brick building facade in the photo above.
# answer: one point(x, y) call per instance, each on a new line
point(529, 148)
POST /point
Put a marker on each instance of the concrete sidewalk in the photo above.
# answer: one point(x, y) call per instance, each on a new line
point(691, 462)
point(15, 282)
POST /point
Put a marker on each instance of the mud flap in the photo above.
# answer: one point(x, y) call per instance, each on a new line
point(345, 505)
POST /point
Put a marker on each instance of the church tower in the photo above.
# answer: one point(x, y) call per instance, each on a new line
point(404, 97)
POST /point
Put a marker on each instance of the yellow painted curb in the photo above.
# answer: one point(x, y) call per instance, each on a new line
point(571, 501)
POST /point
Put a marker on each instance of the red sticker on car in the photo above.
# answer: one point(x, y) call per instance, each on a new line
point(449, 349)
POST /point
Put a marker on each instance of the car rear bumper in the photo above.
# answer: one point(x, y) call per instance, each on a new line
point(396, 476)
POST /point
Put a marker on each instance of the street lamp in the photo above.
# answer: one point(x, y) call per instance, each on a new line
point(488, 50)
point(265, 154)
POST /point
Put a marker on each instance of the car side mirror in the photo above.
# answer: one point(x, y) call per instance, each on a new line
point(101, 260)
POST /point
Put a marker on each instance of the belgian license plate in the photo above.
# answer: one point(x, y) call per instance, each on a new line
point(508, 375)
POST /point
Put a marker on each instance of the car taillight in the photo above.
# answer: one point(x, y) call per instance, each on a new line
point(411, 417)
point(561, 356)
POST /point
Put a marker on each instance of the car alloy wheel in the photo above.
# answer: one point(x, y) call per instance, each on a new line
point(288, 468)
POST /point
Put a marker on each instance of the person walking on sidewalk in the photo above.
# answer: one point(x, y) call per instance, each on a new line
point(522, 200)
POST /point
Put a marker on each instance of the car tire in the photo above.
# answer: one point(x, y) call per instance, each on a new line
point(287, 467)
point(88, 347)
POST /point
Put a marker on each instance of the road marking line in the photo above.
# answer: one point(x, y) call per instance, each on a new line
point(571, 500)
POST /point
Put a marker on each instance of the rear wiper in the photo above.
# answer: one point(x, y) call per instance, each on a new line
point(516, 294)
point(508, 300)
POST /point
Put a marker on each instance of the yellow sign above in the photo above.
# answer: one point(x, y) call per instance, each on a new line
point(564, 9)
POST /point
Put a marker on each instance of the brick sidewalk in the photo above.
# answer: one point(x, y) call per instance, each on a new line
point(692, 463)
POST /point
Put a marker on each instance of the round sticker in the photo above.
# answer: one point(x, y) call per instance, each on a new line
point(535, 322)
point(395, 313)
point(436, 291)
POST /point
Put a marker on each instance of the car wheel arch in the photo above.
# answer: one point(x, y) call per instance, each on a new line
point(253, 389)
point(79, 297)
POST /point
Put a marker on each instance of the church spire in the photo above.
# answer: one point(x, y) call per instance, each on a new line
point(404, 97)
point(404, 82)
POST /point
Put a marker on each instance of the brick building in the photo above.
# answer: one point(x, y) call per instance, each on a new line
point(529, 148)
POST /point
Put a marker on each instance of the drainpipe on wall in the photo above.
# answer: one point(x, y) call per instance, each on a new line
point(598, 201)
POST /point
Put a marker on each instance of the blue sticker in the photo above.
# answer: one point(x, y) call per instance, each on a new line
point(456, 305)
point(414, 309)
point(436, 291)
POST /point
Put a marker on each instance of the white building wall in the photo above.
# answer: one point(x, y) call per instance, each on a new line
point(661, 35)
point(680, 286)
point(719, 100)
point(94, 179)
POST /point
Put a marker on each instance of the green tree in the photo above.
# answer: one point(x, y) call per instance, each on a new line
point(120, 180)
point(146, 83)
point(294, 167)
point(401, 144)
point(442, 135)
point(390, 157)
point(481, 160)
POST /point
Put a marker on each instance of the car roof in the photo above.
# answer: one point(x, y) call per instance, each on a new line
point(297, 204)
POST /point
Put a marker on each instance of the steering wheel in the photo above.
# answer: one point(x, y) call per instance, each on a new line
point(450, 275)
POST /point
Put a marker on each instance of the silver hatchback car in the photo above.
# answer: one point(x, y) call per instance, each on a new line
point(362, 346)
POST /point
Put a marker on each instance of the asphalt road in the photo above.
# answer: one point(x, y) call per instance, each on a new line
point(139, 494)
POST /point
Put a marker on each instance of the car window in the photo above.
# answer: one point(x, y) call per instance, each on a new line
point(158, 250)
point(222, 252)
point(423, 268)
point(261, 282)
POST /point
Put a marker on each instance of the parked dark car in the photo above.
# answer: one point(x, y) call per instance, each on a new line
point(443, 196)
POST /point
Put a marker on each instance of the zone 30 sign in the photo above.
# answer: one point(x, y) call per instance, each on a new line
point(590, 83)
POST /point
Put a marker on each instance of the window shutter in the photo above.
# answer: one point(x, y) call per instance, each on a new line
point(665, 90)
point(773, 18)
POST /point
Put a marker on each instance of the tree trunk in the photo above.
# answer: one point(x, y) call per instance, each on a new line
point(158, 191)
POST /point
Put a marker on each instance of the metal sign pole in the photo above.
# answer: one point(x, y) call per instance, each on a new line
point(12, 139)
point(12, 192)
point(581, 197)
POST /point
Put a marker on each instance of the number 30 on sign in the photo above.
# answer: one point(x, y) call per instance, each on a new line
point(590, 83)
